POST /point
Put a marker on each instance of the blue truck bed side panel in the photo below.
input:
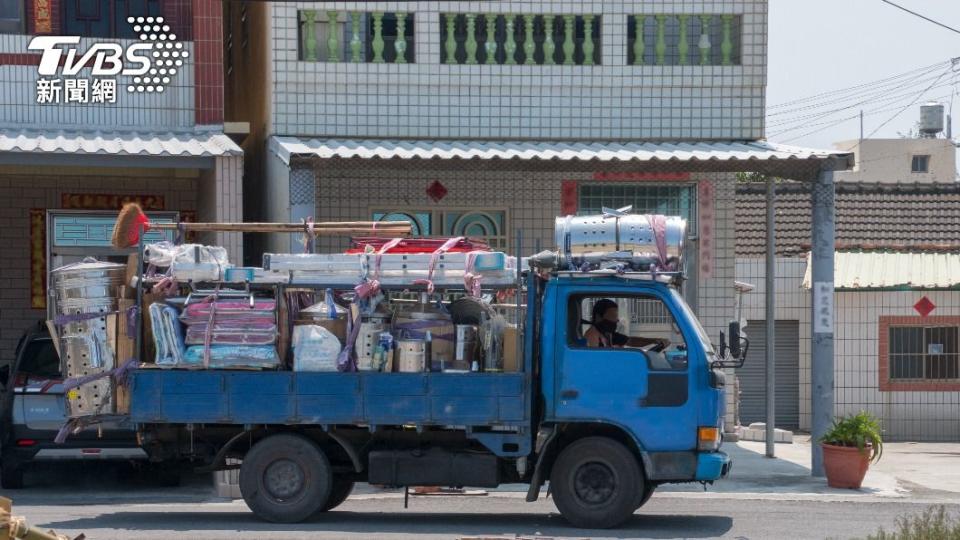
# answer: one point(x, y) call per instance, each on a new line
point(244, 397)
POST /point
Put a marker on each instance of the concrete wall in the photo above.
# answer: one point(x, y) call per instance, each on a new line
point(905, 415)
point(889, 160)
point(427, 99)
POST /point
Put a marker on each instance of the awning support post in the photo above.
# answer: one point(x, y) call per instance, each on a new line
point(821, 348)
point(769, 294)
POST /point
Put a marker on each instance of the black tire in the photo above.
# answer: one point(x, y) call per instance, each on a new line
point(595, 482)
point(285, 478)
point(339, 491)
point(646, 494)
point(11, 477)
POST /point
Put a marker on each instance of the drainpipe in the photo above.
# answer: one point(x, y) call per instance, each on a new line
point(821, 348)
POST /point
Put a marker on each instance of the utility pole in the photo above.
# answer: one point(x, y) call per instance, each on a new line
point(821, 348)
point(861, 125)
point(769, 295)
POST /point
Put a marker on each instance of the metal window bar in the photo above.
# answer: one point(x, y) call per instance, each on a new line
point(924, 353)
point(646, 198)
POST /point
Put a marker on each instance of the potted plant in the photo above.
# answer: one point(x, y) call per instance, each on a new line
point(848, 449)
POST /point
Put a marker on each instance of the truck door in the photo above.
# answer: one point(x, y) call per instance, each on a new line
point(623, 360)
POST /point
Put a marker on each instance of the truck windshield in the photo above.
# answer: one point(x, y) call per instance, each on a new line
point(694, 321)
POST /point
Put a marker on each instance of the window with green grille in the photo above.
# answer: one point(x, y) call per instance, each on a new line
point(669, 200)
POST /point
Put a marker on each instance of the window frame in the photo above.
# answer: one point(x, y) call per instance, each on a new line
point(575, 305)
point(18, 25)
point(886, 382)
point(915, 159)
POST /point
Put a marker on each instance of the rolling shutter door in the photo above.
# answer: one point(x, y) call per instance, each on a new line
point(753, 393)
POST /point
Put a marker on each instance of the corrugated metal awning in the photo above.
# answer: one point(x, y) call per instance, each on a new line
point(886, 270)
point(29, 146)
point(288, 148)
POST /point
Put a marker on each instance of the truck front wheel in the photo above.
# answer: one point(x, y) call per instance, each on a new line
point(595, 482)
point(285, 478)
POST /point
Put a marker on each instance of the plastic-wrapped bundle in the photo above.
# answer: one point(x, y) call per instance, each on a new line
point(167, 335)
point(314, 348)
point(234, 356)
point(257, 331)
point(262, 310)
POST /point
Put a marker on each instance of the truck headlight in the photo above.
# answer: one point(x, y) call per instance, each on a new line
point(708, 438)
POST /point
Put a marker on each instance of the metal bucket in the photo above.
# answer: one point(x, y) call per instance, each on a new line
point(628, 238)
point(412, 355)
point(416, 324)
point(367, 339)
point(83, 290)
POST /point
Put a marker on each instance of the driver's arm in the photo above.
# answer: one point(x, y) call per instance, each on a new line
point(643, 342)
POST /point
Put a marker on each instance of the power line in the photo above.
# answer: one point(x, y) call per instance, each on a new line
point(924, 17)
point(860, 103)
point(858, 87)
point(925, 90)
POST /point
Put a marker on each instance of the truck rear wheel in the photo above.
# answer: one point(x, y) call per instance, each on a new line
point(339, 492)
point(595, 482)
point(285, 478)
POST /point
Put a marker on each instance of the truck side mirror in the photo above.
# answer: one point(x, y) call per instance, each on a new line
point(723, 346)
point(735, 339)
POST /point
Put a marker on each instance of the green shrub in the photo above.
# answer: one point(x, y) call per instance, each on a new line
point(932, 524)
point(858, 430)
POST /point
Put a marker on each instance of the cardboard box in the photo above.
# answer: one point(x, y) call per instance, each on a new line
point(511, 362)
point(133, 270)
point(126, 343)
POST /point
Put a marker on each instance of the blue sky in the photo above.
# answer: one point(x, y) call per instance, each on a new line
point(817, 46)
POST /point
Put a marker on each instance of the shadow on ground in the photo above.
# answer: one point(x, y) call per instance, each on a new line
point(647, 525)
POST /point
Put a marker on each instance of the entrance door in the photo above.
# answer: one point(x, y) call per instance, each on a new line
point(623, 360)
point(753, 389)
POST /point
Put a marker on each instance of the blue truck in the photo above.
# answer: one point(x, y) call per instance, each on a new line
point(613, 388)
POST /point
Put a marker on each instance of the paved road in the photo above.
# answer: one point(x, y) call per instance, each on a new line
point(454, 517)
point(106, 505)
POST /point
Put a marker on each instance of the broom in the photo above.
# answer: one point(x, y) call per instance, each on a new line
point(132, 220)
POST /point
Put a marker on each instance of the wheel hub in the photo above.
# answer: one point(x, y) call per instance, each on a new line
point(283, 479)
point(594, 483)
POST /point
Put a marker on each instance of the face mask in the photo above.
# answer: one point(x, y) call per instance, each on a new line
point(607, 327)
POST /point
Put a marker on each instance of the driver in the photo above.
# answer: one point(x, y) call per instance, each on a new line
point(603, 329)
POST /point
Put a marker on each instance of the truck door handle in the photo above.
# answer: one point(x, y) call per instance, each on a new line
point(569, 394)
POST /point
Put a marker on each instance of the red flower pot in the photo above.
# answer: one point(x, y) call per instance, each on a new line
point(845, 465)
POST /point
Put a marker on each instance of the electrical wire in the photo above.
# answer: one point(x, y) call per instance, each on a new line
point(924, 17)
point(860, 103)
point(872, 133)
point(857, 88)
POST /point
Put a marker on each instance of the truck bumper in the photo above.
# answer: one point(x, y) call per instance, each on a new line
point(712, 466)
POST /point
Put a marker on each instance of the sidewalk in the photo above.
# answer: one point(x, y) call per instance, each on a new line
point(904, 470)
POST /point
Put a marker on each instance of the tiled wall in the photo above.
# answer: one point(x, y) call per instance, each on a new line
point(171, 109)
point(22, 189)
point(905, 415)
point(427, 99)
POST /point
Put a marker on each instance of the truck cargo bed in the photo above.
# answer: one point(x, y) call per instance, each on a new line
point(299, 398)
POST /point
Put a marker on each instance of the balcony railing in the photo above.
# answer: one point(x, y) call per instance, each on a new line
point(354, 36)
point(471, 38)
point(683, 40)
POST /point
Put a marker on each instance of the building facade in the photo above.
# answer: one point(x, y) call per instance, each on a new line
point(896, 305)
point(77, 141)
point(901, 161)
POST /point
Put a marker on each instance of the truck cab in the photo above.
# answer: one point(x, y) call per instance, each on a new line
point(650, 388)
